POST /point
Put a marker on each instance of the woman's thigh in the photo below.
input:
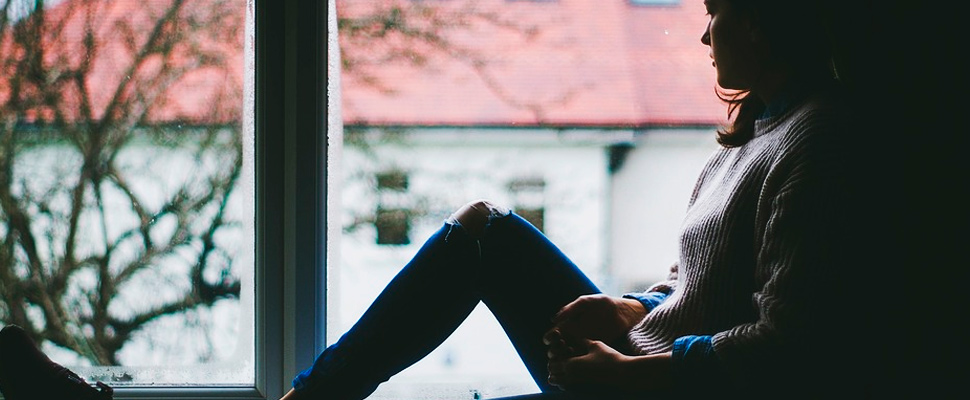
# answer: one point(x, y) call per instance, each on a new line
point(525, 280)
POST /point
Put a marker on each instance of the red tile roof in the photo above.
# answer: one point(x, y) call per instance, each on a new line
point(591, 63)
point(209, 92)
point(585, 63)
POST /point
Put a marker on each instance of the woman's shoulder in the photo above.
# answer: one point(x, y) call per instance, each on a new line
point(821, 117)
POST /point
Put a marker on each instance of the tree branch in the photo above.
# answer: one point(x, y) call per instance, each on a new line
point(147, 49)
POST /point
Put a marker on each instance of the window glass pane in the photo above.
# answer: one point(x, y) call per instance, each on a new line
point(591, 119)
point(126, 193)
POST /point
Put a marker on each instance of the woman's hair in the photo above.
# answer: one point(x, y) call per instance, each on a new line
point(797, 37)
point(745, 109)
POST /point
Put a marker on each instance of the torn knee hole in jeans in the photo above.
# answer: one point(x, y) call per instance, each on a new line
point(477, 216)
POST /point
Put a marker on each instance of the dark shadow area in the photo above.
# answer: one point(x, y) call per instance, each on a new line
point(910, 246)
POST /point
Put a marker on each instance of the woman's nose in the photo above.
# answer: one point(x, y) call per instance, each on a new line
point(706, 37)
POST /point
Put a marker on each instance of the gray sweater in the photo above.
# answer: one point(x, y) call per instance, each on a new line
point(756, 247)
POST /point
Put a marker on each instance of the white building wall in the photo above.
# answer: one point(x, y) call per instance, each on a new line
point(649, 198)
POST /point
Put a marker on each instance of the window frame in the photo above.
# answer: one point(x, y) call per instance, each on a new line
point(290, 150)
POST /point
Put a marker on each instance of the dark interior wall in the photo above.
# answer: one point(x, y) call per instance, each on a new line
point(908, 79)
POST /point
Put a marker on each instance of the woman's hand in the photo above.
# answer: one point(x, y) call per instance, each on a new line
point(602, 367)
point(598, 366)
point(594, 317)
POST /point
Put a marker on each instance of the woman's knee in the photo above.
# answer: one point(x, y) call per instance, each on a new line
point(474, 216)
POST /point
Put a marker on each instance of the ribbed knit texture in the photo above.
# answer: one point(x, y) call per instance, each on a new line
point(754, 243)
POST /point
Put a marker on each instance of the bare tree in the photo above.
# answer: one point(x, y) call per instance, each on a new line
point(101, 87)
point(95, 247)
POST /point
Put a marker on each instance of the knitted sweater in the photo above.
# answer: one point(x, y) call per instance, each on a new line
point(756, 247)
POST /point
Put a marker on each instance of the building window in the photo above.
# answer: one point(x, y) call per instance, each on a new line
point(535, 216)
point(528, 199)
point(392, 220)
point(392, 181)
point(392, 226)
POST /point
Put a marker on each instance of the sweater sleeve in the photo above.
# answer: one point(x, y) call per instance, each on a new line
point(796, 259)
point(650, 300)
point(694, 359)
point(658, 292)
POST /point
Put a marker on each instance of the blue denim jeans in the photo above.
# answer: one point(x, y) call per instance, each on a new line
point(514, 269)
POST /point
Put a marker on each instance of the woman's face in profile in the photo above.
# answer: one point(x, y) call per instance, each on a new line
point(733, 41)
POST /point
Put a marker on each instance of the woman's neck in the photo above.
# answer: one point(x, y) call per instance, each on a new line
point(779, 89)
point(771, 84)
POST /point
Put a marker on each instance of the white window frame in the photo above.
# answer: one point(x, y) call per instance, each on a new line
point(290, 201)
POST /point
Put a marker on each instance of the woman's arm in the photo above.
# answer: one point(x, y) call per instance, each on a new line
point(804, 232)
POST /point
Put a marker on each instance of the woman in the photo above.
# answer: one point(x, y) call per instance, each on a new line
point(742, 309)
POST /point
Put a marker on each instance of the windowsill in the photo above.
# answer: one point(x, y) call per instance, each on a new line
point(454, 388)
point(183, 392)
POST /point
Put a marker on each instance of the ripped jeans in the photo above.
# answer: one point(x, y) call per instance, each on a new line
point(514, 269)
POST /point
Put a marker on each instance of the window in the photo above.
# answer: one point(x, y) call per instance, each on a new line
point(392, 226)
point(270, 164)
point(528, 200)
point(300, 246)
point(564, 114)
point(394, 180)
point(127, 199)
point(392, 219)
